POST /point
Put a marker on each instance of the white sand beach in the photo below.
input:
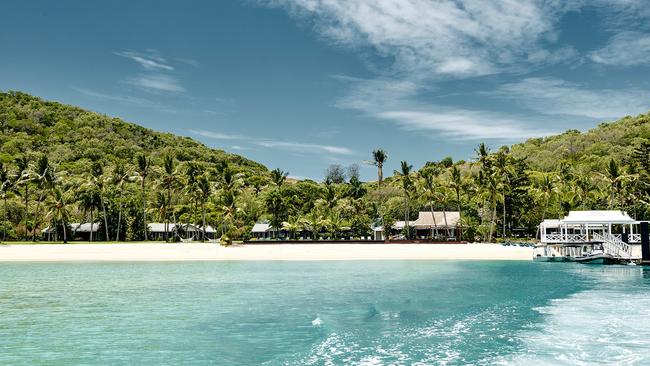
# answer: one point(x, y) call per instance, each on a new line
point(288, 252)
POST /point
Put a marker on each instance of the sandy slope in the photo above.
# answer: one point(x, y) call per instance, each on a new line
point(198, 251)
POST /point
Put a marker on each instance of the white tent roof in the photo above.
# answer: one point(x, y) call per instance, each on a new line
point(84, 228)
point(598, 217)
point(208, 229)
point(261, 228)
point(426, 219)
point(159, 227)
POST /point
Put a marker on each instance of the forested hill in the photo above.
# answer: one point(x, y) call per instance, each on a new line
point(587, 151)
point(72, 138)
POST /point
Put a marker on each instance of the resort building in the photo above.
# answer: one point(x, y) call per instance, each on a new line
point(437, 225)
point(579, 231)
point(262, 231)
point(76, 231)
point(185, 232)
point(157, 230)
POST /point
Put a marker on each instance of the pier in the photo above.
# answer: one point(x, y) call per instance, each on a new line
point(610, 236)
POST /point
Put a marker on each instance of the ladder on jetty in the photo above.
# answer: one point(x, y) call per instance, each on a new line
point(614, 246)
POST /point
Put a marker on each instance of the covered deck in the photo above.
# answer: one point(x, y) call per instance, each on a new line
point(589, 226)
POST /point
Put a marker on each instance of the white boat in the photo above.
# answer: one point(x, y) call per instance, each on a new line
point(597, 258)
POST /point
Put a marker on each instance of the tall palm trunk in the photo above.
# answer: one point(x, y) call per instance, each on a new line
point(460, 217)
point(169, 204)
point(406, 217)
point(4, 222)
point(26, 212)
point(144, 210)
point(65, 233)
point(503, 234)
point(105, 218)
point(444, 216)
point(38, 210)
point(92, 224)
point(203, 219)
point(543, 216)
point(380, 173)
point(119, 217)
point(433, 217)
point(492, 219)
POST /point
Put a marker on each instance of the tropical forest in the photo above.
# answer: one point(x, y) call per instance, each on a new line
point(61, 164)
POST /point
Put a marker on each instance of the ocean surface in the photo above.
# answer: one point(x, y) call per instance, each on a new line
point(323, 313)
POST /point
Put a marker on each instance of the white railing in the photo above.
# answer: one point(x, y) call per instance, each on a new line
point(614, 246)
point(564, 238)
point(632, 238)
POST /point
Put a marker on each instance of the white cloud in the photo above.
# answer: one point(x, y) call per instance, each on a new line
point(149, 61)
point(462, 124)
point(303, 147)
point(156, 82)
point(393, 100)
point(217, 135)
point(157, 72)
point(558, 97)
point(277, 144)
point(116, 98)
point(624, 49)
point(426, 43)
point(429, 38)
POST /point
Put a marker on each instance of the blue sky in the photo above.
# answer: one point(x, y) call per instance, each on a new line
point(301, 84)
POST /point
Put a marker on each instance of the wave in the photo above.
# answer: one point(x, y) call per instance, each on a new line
point(608, 324)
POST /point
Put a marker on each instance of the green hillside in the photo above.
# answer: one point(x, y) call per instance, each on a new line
point(590, 150)
point(61, 164)
point(72, 137)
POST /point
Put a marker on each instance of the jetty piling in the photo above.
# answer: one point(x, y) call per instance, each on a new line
point(645, 243)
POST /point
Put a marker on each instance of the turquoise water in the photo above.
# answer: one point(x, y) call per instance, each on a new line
point(323, 313)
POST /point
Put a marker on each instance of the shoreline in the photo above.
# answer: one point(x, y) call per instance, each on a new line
point(158, 252)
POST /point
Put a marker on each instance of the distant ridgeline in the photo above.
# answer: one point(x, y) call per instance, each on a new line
point(73, 137)
point(63, 165)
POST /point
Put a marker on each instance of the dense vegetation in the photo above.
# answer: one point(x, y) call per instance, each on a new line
point(61, 164)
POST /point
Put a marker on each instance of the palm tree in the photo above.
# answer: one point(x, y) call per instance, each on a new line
point(58, 211)
point(275, 206)
point(170, 179)
point(161, 205)
point(89, 200)
point(6, 184)
point(330, 196)
point(119, 179)
point(502, 171)
point(204, 190)
point(293, 225)
point(407, 185)
point(544, 190)
point(143, 165)
point(483, 155)
point(356, 190)
point(615, 178)
point(24, 179)
point(428, 187)
point(228, 201)
point(192, 172)
point(334, 224)
point(379, 157)
point(43, 176)
point(278, 177)
point(313, 222)
point(97, 178)
point(456, 184)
